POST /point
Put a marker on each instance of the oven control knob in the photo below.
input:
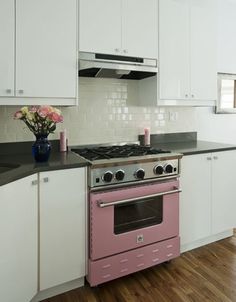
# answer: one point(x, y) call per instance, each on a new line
point(139, 174)
point(158, 170)
point(120, 174)
point(169, 168)
point(107, 177)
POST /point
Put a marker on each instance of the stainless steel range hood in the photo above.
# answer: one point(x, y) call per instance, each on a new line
point(112, 66)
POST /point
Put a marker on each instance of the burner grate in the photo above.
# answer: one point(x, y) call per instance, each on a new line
point(108, 152)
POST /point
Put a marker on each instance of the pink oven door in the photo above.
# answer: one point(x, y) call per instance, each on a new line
point(127, 218)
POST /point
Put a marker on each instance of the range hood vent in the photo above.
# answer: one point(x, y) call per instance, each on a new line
point(119, 67)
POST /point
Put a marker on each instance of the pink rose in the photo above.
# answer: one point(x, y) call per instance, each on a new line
point(44, 111)
point(18, 115)
point(55, 117)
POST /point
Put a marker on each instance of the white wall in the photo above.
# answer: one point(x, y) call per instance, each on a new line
point(215, 127)
point(108, 111)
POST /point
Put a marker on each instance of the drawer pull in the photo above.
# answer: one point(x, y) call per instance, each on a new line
point(107, 266)
point(169, 246)
point(106, 276)
point(124, 270)
point(155, 251)
point(169, 255)
point(139, 256)
point(140, 265)
point(155, 260)
point(123, 260)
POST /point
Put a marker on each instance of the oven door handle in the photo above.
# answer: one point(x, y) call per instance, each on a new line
point(102, 204)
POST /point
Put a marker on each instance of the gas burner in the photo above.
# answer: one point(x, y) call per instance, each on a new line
point(108, 152)
point(119, 165)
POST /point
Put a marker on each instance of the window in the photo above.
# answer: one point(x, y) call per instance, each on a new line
point(226, 93)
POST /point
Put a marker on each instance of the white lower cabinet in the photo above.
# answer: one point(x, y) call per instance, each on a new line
point(62, 226)
point(42, 234)
point(207, 201)
point(195, 199)
point(223, 191)
point(19, 242)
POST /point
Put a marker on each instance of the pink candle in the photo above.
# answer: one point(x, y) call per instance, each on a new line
point(63, 141)
point(146, 136)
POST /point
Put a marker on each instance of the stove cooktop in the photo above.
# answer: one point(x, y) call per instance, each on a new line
point(116, 151)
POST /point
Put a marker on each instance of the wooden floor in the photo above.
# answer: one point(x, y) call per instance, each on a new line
point(206, 274)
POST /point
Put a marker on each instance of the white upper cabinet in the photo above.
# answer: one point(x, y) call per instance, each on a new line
point(38, 53)
point(203, 42)
point(174, 49)
point(46, 48)
point(100, 26)
point(19, 241)
point(226, 36)
point(119, 27)
point(140, 28)
point(187, 39)
point(7, 25)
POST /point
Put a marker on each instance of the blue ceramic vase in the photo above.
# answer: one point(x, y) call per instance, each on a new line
point(41, 148)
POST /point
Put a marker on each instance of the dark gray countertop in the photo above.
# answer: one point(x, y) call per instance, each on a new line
point(185, 143)
point(194, 147)
point(27, 165)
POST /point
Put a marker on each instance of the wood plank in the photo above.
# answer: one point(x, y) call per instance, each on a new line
point(205, 274)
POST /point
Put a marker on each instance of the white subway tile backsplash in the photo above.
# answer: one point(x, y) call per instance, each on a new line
point(108, 111)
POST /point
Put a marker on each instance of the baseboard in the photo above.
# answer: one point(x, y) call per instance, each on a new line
point(57, 290)
point(204, 241)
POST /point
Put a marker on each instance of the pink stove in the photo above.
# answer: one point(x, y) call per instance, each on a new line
point(133, 209)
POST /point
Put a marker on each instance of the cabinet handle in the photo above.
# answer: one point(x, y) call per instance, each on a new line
point(209, 158)
point(45, 179)
point(117, 50)
point(215, 157)
point(186, 95)
point(125, 50)
point(34, 182)
point(193, 96)
point(8, 90)
point(20, 91)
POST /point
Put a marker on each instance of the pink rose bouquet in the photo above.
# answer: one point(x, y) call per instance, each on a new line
point(41, 120)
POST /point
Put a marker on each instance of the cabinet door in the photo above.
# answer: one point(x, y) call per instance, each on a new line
point(174, 49)
point(62, 226)
point(46, 48)
point(223, 191)
point(226, 36)
point(203, 53)
point(7, 36)
point(140, 28)
point(100, 26)
point(195, 199)
point(18, 235)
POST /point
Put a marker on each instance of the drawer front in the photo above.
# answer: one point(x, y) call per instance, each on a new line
point(113, 267)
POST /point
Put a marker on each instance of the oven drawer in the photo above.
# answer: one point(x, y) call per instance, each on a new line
point(113, 267)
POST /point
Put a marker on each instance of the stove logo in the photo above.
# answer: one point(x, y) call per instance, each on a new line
point(139, 238)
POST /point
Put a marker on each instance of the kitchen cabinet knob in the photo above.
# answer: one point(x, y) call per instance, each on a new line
point(215, 157)
point(34, 182)
point(186, 95)
point(209, 158)
point(20, 91)
point(117, 50)
point(193, 96)
point(45, 179)
point(8, 90)
point(125, 50)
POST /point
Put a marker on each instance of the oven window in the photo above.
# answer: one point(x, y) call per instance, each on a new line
point(138, 214)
